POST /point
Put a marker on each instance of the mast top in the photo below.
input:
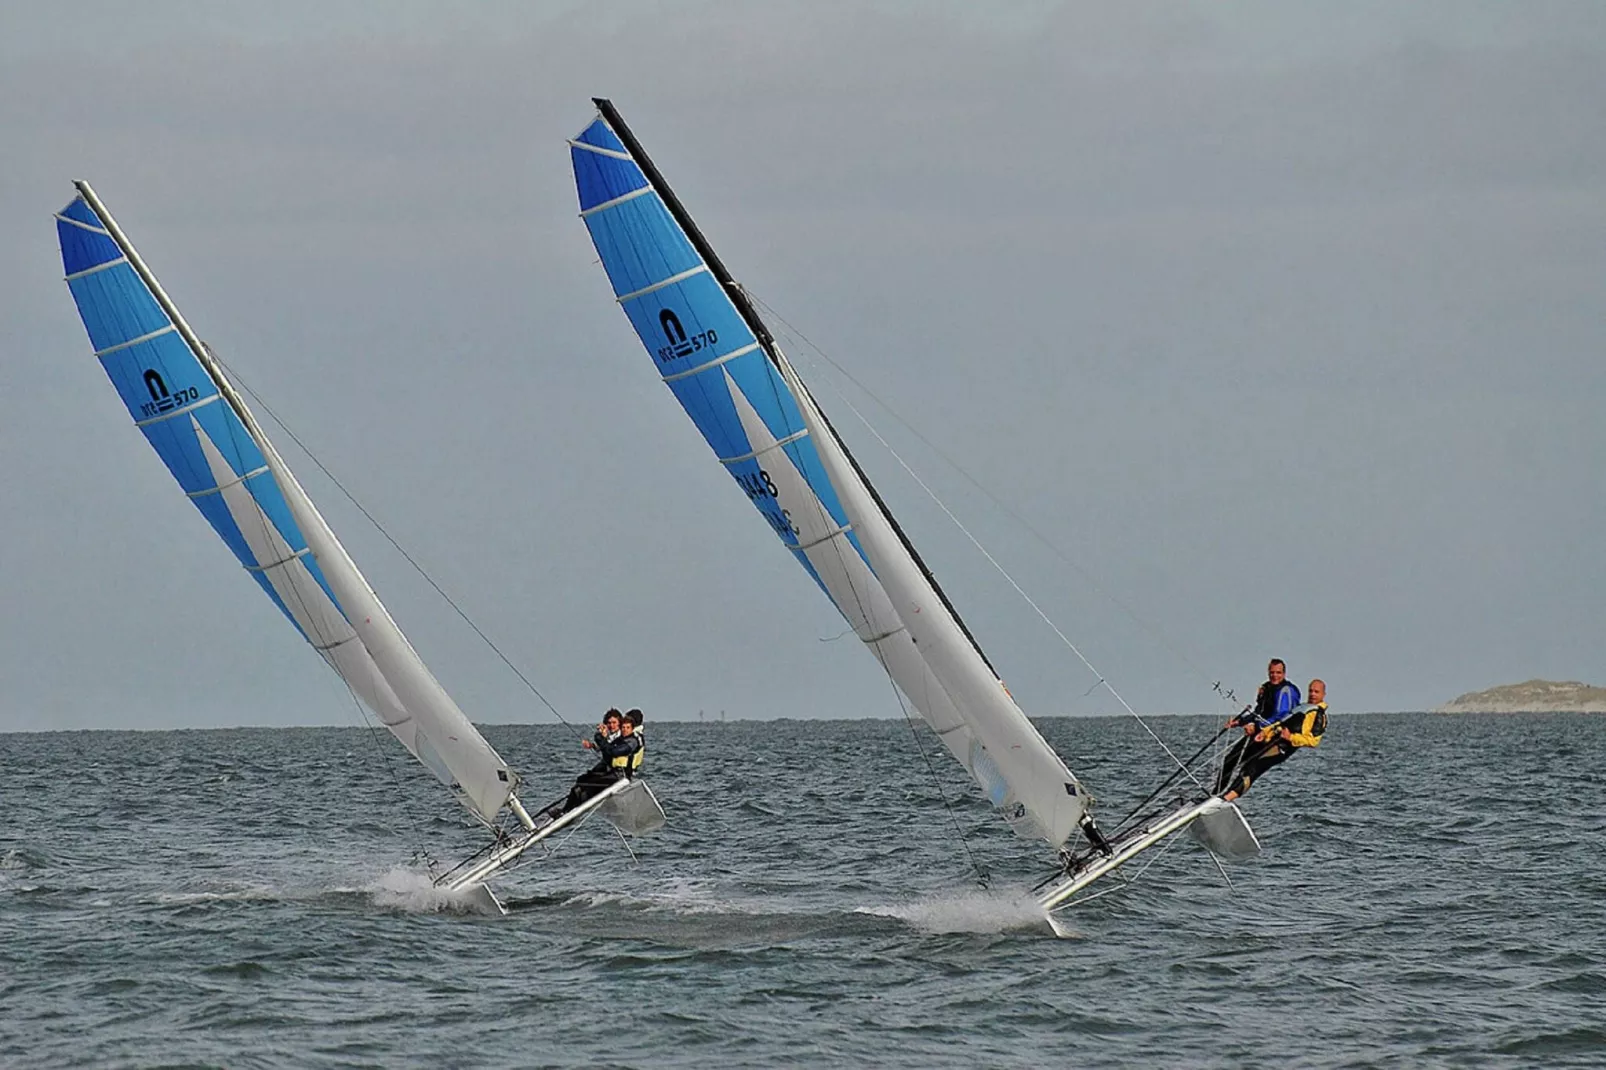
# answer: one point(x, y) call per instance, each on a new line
point(733, 289)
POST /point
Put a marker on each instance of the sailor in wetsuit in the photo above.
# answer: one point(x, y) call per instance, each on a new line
point(631, 725)
point(1303, 727)
point(617, 749)
point(1274, 701)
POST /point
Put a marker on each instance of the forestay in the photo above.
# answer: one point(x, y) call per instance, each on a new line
point(202, 430)
point(720, 361)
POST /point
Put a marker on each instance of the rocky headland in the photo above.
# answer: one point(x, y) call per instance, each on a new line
point(1535, 696)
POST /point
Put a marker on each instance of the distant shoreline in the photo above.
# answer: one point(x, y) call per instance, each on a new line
point(494, 725)
point(1531, 696)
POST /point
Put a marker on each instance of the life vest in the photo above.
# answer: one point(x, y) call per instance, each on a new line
point(640, 755)
point(626, 761)
point(1308, 723)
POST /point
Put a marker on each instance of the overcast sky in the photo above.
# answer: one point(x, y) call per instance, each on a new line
point(1281, 323)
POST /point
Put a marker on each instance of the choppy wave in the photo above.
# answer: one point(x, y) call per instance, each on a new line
point(259, 898)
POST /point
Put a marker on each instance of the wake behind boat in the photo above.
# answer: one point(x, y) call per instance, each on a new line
point(714, 351)
point(200, 426)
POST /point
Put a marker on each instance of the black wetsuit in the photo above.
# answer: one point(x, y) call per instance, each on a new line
point(1254, 764)
point(616, 756)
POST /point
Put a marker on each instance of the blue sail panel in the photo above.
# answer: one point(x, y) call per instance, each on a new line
point(170, 395)
point(602, 171)
point(640, 244)
point(688, 322)
point(115, 306)
point(697, 338)
point(84, 248)
point(600, 135)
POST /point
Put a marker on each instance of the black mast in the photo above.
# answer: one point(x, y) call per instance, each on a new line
point(755, 323)
point(732, 288)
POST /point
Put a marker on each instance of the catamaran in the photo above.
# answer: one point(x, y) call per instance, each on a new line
point(201, 428)
point(720, 360)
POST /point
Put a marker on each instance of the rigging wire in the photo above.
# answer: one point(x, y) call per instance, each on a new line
point(792, 451)
point(1116, 831)
point(1102, 681)
point(983, 878)
point(1154, 630)
point(257, 398)
point(236, 428)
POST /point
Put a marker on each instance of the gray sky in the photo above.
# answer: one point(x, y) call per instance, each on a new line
point(1281, 322)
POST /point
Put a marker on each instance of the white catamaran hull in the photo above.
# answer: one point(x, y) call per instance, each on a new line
point(628, 804)
point(1221, 826)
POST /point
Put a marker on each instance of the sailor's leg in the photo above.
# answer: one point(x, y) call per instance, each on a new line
point(1090, 829)
point(1229, 764)
point(1258, 765)
point(548, 814)
point(589, 783)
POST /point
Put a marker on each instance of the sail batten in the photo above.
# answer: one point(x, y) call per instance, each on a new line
point(768, 433)
point(218, 454)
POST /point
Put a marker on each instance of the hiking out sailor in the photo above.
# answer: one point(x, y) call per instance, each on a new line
point(631, 725)
point(616, 749)
point(1274, 744)
point(1274, 701)
point(1095, 838)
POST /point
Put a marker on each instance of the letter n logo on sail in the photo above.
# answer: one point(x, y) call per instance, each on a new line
point(674, 334)
point(159, 393)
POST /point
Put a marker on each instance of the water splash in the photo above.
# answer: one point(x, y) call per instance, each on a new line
point(968, 912)
point(411, 892)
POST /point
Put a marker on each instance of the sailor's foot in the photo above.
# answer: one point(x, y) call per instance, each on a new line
point(1231, 796)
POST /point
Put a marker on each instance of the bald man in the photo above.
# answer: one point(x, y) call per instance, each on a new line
point(1275, 744)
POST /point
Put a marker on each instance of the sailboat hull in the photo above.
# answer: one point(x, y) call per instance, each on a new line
point(631, 799)
point(1224, 824)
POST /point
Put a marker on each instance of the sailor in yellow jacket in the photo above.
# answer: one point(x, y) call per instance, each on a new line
point(1275, 744)
point(633, 718)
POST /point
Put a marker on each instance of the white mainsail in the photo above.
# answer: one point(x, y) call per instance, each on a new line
point(1004, 748)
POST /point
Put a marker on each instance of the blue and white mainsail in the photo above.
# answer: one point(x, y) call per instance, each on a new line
point(201, 428)
point(722, 364)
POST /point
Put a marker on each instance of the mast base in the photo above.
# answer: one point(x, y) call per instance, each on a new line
point(1221, 825)
point(628, 804)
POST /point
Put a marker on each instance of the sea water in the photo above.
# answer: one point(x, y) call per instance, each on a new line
point(1432, 892)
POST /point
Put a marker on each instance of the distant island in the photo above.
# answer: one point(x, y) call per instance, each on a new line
point(1535, 696)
